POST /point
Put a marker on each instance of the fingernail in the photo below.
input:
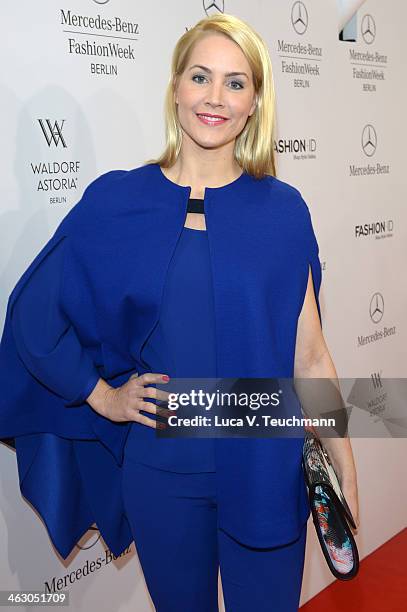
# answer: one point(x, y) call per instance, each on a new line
point(165, 377)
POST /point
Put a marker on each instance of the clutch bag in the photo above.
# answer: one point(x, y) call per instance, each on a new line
point(330, 511)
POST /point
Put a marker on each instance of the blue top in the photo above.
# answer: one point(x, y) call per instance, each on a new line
point(182, 344)
point(89, 301)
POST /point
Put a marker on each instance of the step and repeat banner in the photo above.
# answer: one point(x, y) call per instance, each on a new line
point(82, 92)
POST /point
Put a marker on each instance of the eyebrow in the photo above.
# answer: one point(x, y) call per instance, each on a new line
point(210, 71)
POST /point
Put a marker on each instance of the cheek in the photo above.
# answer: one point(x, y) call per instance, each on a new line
point(241, 109)
point(187, 96)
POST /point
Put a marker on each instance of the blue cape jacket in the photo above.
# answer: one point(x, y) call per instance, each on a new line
point(107, 264)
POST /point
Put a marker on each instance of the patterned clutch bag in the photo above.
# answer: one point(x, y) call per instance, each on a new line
point(330, 512)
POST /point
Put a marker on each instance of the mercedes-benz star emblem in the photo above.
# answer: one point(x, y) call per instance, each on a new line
point(376, 308)
point(213, 7)
point(368, 29)
point(369, 140)
point(299, 17)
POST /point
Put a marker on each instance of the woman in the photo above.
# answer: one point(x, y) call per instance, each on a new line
point(199, 264)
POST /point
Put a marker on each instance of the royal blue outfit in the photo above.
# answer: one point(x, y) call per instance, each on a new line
point(90, 305)
point(174, 520)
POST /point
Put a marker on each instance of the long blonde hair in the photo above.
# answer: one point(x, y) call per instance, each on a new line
point(254, 147)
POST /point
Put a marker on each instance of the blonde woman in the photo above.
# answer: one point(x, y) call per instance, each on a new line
point(198, 264)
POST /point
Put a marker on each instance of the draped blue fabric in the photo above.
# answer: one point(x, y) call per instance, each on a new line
point(85, 308)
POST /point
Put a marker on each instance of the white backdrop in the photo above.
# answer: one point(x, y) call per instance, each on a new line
point(66, 117)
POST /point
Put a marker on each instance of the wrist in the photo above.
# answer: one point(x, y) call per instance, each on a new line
point(100, 395)
point(347, 477)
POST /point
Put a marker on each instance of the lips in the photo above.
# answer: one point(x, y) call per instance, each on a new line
point(211, 119)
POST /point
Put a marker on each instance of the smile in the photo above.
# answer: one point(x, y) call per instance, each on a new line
point(208, 120)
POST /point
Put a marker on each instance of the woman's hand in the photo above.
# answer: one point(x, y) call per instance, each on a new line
point(341, 457)
point(124, 403)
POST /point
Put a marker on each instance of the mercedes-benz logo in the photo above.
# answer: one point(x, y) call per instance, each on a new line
point(368, 29)
point(213, 7)
point(299, 17)
point(369, 140)
point(376, 308)
point(90, 543)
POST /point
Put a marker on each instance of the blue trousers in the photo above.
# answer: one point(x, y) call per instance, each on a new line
point(173, 517)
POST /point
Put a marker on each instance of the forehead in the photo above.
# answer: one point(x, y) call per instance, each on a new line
point(218, 52)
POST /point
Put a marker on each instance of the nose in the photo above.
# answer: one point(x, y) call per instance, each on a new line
point(215, 94)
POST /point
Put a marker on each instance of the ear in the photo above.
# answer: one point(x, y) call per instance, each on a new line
point(175, 89)
point(253, 106)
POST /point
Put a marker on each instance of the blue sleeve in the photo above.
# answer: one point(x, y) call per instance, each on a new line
point(312, 249)
point(46, 340)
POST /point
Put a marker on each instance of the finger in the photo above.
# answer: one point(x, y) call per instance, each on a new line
point(154, 393)
point(151, 392)
point(151, 378)
point(153, 409)
point(161, 394)
point(145, 420)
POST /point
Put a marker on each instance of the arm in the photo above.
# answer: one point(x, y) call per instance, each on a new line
point(100, 396)
point(312, 360)
point(49, 347)
point(46, 340)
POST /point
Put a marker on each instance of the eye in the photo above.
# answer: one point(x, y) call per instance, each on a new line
point(199, 76)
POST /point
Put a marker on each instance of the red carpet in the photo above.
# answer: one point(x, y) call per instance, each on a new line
point(380, 586)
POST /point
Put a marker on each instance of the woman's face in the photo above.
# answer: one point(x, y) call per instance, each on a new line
point(206, 87)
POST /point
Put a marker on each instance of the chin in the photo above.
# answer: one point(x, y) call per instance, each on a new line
point(211, 145)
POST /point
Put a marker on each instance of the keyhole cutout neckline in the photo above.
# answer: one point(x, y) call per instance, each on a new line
point(195, 206)
point(233, 186)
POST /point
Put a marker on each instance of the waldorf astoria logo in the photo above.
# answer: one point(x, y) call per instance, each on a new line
point(106, 40)
point(53, 132)
point(376, 380)
point(300, 59)
point(54, 177)
point(380, 400)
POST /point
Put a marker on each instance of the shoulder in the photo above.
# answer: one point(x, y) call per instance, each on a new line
point(118, 180)
point(287, 197)
point(292, 210)
point(102, 197)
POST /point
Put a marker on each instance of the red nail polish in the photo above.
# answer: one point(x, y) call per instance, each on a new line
point(165, 377)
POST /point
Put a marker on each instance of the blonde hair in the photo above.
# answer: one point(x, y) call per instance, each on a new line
point(254, 147)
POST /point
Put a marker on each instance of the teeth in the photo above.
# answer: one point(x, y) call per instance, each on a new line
point(212, 118)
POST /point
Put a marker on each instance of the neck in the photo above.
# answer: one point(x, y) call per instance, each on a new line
point(202, 173)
